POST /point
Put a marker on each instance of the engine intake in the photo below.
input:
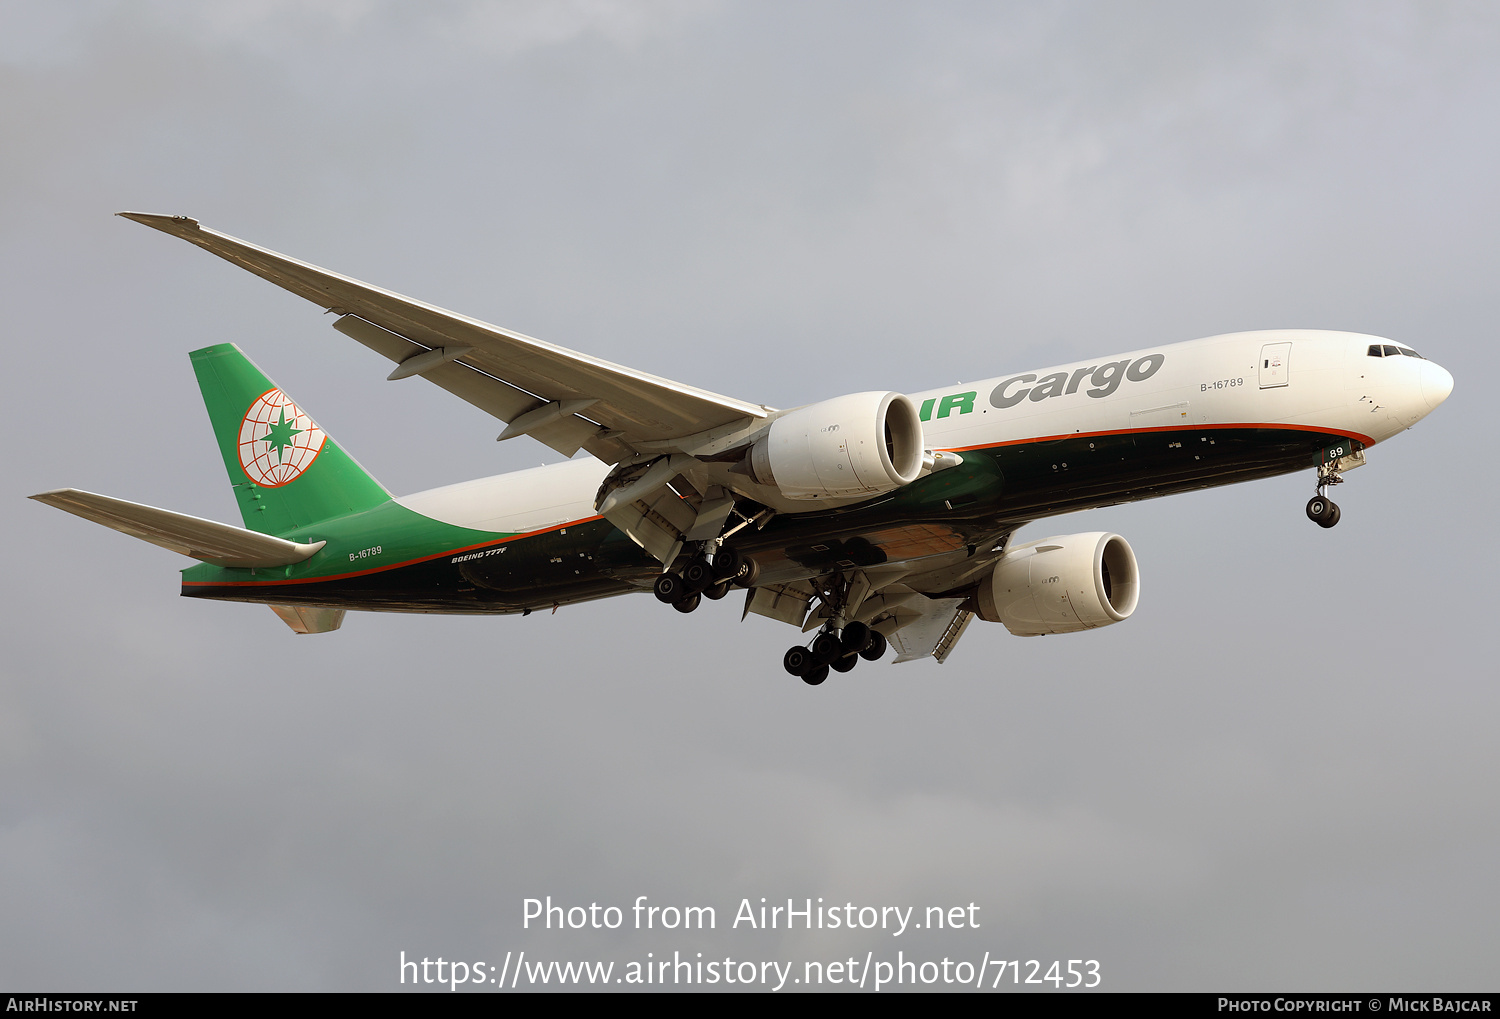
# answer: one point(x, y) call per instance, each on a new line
point(854, 446)
point(1062, 585)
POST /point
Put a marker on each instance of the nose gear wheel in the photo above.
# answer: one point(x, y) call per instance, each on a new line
point(1323, 511)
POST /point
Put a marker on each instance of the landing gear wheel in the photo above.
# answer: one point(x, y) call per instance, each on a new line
point(668, 588)
point(687, 604)
point(855, 637)
point(718, 591)
point(827, 647)
point(875, 650)
point(747, 574)
point(727, 563)
point(1323, 511)
point(796, 660)
point(697, 574)
point(815, 676)
point(844, 664)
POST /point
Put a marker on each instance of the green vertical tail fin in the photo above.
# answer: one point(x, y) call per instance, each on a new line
point(286, 472)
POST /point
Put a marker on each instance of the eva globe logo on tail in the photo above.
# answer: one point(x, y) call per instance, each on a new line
point(277, 440)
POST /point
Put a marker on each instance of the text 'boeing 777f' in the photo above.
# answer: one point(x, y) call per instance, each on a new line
point(872, 518)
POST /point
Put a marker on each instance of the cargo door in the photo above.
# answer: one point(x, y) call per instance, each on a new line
point(1275, 358)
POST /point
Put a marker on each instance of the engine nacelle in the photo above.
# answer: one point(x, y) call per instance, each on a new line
point(855, 446)
point(1062, 585)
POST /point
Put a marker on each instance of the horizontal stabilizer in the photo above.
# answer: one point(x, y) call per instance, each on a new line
point(208, 540)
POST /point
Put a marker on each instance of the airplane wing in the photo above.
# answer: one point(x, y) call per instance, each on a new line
point(207, 540)
point(563, 398)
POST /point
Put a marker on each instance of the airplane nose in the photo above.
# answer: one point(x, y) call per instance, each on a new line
point(1436, 384)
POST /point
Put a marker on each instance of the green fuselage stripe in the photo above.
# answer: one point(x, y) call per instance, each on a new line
point(419, 564)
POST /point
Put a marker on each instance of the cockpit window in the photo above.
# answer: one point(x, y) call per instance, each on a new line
point(1390, 350)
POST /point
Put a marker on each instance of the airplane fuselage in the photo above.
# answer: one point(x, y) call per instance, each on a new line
point(1033, 444)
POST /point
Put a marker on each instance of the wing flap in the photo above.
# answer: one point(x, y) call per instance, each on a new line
point(937, 625)
point(206, 540)
point(635, 404)
point(785, 602)
point(657, 522)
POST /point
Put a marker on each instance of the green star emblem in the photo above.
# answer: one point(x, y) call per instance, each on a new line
point(280, 435)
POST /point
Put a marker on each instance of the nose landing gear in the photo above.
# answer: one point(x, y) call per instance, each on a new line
point(1336, 459)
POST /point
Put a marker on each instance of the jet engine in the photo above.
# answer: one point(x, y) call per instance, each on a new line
point(1062, 585)
point(851, 447)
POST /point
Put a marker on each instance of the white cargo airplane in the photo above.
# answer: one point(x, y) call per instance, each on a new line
point(870, 518)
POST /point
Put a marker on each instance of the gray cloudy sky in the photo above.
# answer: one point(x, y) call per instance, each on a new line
point(1281, 773)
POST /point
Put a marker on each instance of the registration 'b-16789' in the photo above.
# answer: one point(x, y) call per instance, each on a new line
point(865, 520)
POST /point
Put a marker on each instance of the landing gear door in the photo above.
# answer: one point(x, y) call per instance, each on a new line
point(1275, 358)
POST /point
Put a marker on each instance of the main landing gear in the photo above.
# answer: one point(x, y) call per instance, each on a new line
point(839, 651)
point(705, 578)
